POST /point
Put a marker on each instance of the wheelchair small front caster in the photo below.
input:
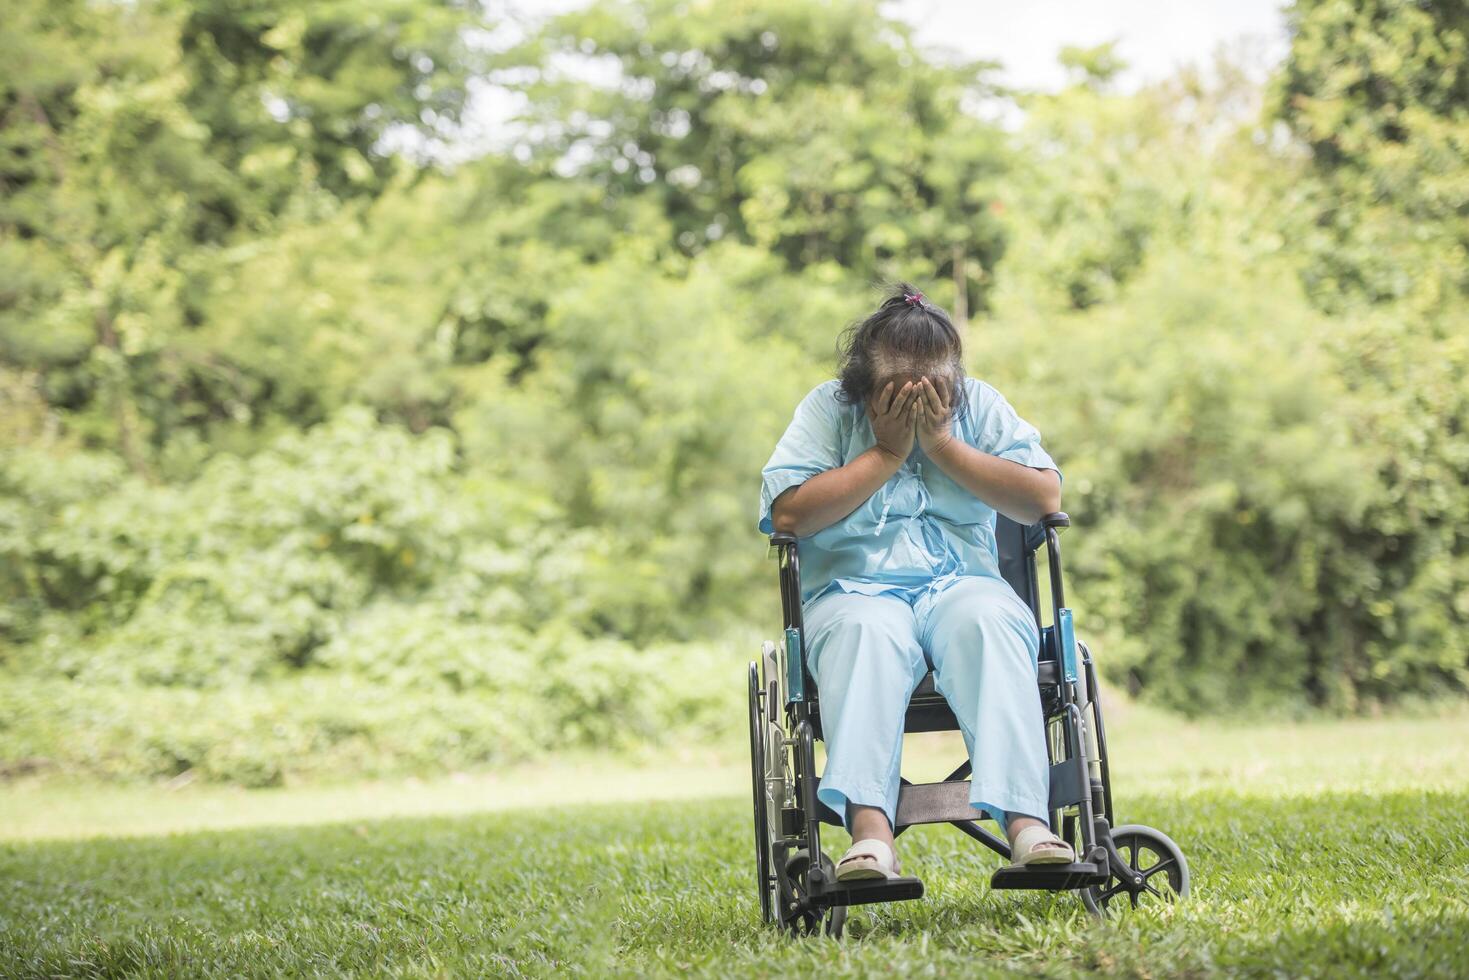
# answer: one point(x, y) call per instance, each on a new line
point(799, 915)
point(1155, 870)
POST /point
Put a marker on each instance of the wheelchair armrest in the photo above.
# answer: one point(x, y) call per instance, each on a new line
point(1029, 537)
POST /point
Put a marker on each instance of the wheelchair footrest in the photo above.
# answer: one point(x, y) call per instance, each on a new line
point(865, 891)
point(1050, 877)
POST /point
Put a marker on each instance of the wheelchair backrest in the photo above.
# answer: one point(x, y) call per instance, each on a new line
point(1017, 544)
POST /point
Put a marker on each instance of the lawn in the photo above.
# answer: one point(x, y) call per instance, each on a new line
point(1326, 849)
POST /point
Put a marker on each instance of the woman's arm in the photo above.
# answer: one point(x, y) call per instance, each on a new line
point(828, 497)
point(1022, 493)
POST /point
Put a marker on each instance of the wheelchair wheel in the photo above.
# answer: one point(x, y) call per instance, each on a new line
point(763, 877)
point(797, 915)
point(1151, 855)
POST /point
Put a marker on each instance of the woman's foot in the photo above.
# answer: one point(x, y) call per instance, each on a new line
point(868, 859)
point(1033, 842)
point(872, 854)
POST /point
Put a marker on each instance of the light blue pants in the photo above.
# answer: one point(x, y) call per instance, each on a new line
point(868, 652)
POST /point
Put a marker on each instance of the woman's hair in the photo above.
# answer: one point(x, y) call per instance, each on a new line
point(902, 329)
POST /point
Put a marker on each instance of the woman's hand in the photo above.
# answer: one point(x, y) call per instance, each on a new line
point(935, 415)
point(892, 417)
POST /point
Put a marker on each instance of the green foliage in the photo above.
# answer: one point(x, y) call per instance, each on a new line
point(1379, 91)
point(309, 602)
point(1083, 217)
point(285, 405)
point(816, 131)
point(1261, 494)
point(1267, 492)
point(141, 140)
point(1096, 66)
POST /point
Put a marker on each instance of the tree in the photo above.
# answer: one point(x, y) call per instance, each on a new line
point(815, 131)
point(138, 141)
point(1379, 91)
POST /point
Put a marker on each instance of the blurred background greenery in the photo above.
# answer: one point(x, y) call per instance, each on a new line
point(327, 449)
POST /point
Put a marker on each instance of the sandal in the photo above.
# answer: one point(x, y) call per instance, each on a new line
point(1038, 845)
point(869, 858)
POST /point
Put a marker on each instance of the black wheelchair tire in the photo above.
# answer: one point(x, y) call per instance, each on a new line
point(763, 863)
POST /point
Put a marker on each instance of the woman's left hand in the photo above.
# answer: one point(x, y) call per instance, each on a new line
point(935, 418)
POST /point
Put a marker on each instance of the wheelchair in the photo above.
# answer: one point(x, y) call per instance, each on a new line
point(797, 882)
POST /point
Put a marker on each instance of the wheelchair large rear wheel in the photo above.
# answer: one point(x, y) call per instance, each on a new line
point(1150, 855)
point(764, 877)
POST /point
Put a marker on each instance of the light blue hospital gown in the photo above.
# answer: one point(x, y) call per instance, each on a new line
point(911, 579)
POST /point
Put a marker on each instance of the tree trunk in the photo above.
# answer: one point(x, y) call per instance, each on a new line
point(122, 399)
point(961, 289)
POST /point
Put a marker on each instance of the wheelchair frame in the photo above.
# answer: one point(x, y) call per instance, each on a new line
point(803, 896)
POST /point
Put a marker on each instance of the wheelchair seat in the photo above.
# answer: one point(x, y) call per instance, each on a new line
point(928, 711)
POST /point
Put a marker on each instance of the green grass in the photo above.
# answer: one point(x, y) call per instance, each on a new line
point(1327, 849)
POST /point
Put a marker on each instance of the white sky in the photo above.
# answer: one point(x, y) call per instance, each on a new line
point(1154, 37)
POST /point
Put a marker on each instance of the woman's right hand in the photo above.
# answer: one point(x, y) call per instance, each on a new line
point(893, 418)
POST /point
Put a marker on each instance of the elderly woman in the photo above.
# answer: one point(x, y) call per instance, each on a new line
point(891, 475)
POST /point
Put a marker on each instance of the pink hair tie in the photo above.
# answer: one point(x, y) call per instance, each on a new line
point(913, 299)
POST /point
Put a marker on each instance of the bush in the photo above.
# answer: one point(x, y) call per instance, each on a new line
point(1267, 501)
point(348, 600)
